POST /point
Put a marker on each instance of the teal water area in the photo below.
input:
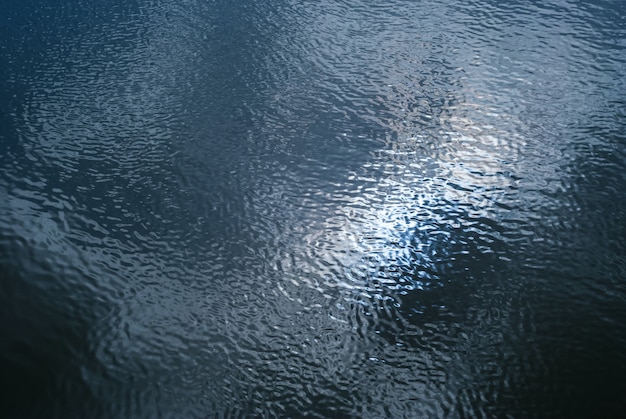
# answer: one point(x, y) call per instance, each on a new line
point(324, 209)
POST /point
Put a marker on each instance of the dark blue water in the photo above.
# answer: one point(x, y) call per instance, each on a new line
point(327, 209)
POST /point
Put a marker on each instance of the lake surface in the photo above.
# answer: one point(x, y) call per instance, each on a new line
point(327, 209)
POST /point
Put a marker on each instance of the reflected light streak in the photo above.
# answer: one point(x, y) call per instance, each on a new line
point(415, 204)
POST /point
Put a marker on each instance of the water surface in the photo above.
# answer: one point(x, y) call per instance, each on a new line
point(332, 209)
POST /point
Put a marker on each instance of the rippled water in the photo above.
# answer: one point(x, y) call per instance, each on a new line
point(333, 209)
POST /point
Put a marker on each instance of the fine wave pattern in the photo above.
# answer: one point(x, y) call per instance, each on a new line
point(313, 209)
